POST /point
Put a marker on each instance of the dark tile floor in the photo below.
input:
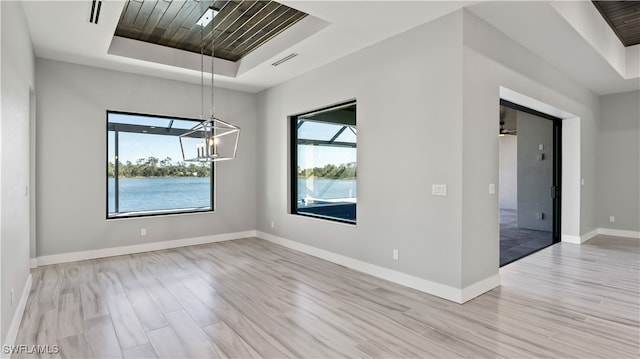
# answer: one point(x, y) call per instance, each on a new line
point(516, 243)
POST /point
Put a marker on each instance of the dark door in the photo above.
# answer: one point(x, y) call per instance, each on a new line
point(530, 218)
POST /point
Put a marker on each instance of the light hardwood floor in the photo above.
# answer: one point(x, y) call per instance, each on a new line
point(251, 298)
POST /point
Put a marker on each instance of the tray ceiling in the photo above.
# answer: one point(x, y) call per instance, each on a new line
point(624, 19)
point(240, 26)
point(575, 39)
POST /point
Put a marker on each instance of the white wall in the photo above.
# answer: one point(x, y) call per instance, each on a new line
point(619, 161)
point(71, 153)
point(508, 182)
point(17, 81)
point(407, 92)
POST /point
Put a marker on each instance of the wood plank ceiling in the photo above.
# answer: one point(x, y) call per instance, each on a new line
point(624, 19)
point(240, 26)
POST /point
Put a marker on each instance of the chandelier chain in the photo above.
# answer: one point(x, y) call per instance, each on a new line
point(216, 140)
point(202, 72)
point(213, 28)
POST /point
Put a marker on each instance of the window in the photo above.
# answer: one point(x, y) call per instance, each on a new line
point(145, 172)
point(323, 163)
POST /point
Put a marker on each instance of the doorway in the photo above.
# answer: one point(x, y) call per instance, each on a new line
point(530, 176)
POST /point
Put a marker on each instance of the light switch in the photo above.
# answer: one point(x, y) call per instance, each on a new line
point(541, 147)
point(439, 189)
point(492, 188)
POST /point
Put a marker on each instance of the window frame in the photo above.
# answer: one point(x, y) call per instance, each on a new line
point(151, 213)
point(293, 164)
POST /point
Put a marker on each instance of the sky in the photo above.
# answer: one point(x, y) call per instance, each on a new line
point(134, 146)
point(319, 156)
point(138, 145)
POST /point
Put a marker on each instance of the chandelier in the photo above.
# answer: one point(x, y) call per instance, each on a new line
point(212, 139)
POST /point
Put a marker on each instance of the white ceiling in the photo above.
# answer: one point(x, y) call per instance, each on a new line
point(561, 34)
point(60, 30)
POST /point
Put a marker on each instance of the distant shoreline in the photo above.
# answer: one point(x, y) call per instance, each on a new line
point(141, 177)
point(328, 178)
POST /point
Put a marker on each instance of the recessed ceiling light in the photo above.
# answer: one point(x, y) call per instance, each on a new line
point(206, 18)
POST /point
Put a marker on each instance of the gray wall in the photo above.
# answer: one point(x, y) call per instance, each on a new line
point(508, 183)
point(17, 82)
point(619, 161)
point(492, 60)
point(442, 94)
point(411, 91)
point(71, 153)
point(535, 176)
point(443, 97)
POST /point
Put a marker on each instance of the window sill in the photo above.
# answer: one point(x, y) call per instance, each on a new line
point(157, 213)
point(324, 219)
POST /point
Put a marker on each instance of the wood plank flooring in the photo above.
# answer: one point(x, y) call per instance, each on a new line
point(250, 298)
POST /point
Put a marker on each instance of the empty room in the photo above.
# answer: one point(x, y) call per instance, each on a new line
point(319, 179)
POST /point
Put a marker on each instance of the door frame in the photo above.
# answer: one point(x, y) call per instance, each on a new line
point(556, 189)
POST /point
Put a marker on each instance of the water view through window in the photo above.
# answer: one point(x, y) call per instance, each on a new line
point(324, 152)
point(145, 171)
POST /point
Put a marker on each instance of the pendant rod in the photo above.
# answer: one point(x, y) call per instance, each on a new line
point(213, 28)
point(202, 72)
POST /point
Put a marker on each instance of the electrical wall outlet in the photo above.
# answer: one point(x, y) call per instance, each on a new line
point(273, 225)
point(612, 219)
point(395, 254)
point(143, 232)
point(492, 188)
point(439, 189)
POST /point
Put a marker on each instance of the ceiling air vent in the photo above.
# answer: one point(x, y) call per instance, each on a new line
point(96, 5)
point(286, 58)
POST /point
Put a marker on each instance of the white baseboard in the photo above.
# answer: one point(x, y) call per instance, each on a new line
point(587, 236)
point(604, 231)
point(154, 246)
point(571, 239)
point(619, 233)
point(443, 291)
point(12, 333)
point(480, 288)
point(33, 263)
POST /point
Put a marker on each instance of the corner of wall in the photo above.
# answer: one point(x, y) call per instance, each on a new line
point(12, 333)
point(17, 80)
